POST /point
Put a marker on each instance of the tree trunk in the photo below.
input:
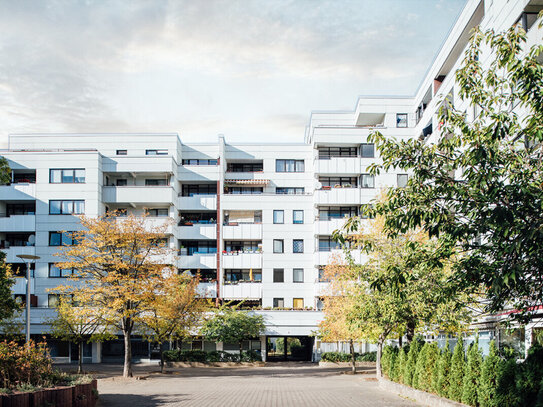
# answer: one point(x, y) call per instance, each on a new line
point(400, 340)
point(410, 331)
point(127, 369)
point(353, 357)
point(80, 362)
point(161, 359)
point(379, 353)
point(240, 351)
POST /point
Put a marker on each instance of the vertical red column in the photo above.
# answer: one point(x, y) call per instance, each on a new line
point(218, 240)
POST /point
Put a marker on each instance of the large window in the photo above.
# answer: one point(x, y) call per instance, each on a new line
point(233, 275)
point(297, 246)
point(66, 207)
point(330, 212)
point(278, 245)
point(157, 182)
point(289, 166)
point(367, 181)
point(298, 303)
point(61, 239)
point(244, 167)
point(67, 176)
point(329, 152)
point(401, 120)
point(298, 275)
point(244, 190)
point(297, 216)
point(199, 161)
point(157, 212)
point(56, 272)
point(122, 152)
point(242, 245)
point(191, 247)
point(345, 182)
point(278, 216)
point(402, 180)
point(327, 244)
point(290, 191)
point(278, 303)
point(53, 300)
point(278, 275)
point(198, 189)
point(367, 150)
point(156, 152)
point(21, 209)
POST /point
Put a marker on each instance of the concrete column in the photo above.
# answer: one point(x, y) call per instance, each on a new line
point(263, 348)
point(220, 346)
point(527, 339)
point(96, 352)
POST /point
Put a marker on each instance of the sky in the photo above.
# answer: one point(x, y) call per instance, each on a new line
point(252, 70)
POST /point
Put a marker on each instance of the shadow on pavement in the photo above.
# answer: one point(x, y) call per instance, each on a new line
point(135, 400)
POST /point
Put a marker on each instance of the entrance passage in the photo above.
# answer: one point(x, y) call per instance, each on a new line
point(289, 348)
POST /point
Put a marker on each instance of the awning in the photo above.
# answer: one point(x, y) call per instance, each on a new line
point(247, 181)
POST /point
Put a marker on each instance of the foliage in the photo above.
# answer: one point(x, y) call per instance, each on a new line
point(346, 357)
point(121, 266)
point(233, 325)
point(390, 353)
point(457, 371)
point(506, 393)
point(472, 374)
point(25, 365)
point(530, 374)
point(477, 189)
point(5, 171)
point(489, 378)
point(444, 371)
point(428, 375)
point(7, 304)
point(210, 357)
point(367, 357)
point(410, 366)
point(398, 370)
point(420, 367)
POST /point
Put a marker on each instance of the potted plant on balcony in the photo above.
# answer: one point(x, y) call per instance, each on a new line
point(337, 186)
point(327, 187)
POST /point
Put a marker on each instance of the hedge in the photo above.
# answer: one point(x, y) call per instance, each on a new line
point(177, 355)
point(466, 376)
point(346, 357)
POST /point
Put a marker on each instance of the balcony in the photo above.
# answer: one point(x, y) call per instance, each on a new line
point(198, 202)
point(207, 290)
point(338, 165)
point(324, 258)
point(197, 231)
point(321, 288)
point(18, 192)
point(143, 164)
point(20, 285)
point(198, 260)
point(18, 223)
point(198, 172)
point(242, 231)
point(242, 260)
point(335, 196)
point(13, 251)
point(138, 194)
point(242, 291)
point(327, 227)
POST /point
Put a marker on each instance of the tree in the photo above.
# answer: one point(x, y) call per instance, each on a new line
point(5, 171)
point(409, 370)
point(472, 374)
point(177, 311)
point(477, 189)
point(7, 303)
point(457, 371)
point(121, 264)
point(231, 325)
point(78, 325)
point(444, 371)
point(489, 378)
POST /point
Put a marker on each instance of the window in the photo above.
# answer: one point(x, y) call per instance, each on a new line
point(191, 247)
point(289, 191)
point(278, 216)
point(121, 182)
point(199, 162)
point(66, 207)
point(322, 276)
point(61, 239)
point(157, 212)
point(327, 244)
point(67, 176)
point(297, 246)
point(329, 152)
point(198, 189)
point(242, 245)
point(278, 245)
point(344, 182)
point(402, 180)
point(122, 152)
point(278, 303)
point(156, 182)
point(297, 216)
point(244, 190)
point(289, 166)
point(21, 209)
point(367, 150)
point(329, 212)
point(367, 181)
point(234, 275)
point(298, 275)
point(156, 152)
point(56, 272)
point(278, 275)
point(53, 300)
point(401, 120)
point(244, 167)
point(298, 303)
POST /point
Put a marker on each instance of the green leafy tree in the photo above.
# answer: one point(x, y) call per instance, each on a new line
point(472, 374)
point(457, 371)
point(233, 326)
point(5, 171)
point(477, 189)
point(444, 371)
point(489, 378)
point(7, 304)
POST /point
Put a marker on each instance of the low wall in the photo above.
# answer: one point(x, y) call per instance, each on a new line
point(215, 364)
point(80, 395)
point(346, 364)
point(420, 396)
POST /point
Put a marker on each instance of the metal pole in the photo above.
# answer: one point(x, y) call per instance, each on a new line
point(27, 302)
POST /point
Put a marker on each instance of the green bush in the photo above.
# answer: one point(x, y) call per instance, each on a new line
point(506, 392)
point(457, 371)
point(397, 373)
point(367, 357)
point(472, 374)
point(529, 375)
point(444, 371)
point(409, 369)
point(388, 360)
point(251, 356)
point(336, 357)
point(489, 378)
point(432, 359)
point(419, 378)
point(177, 355)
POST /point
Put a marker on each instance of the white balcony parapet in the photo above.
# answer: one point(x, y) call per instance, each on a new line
point(18, 223)
point(242, 290)
point(338, 165)
point(20, 285)
point(197, 231)
point(198, 202)
point(242, 260)
point(242, 231)
point(140, 164)
point(204, 260)
point(13, 251)
point(18, 192)
point(327, 227)
point(324, 258)
point(198, 172)
point(207, 289)
point(334, 196)
point(138, 194)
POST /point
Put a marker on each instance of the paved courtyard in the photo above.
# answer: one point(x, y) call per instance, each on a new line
point(275, 385)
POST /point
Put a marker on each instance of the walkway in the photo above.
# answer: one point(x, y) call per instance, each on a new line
point(275, 385)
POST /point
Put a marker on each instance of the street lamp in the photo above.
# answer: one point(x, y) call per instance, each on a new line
point(27, 258)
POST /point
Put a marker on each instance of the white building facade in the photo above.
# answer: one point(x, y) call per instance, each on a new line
point(253, 220)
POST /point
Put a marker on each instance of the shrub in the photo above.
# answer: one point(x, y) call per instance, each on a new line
point(529, 375)
point(177, 355)
point(409, 369)
point(444, 371)
point(336, 357)
point(251, 356)
point(472, 373)
point(367, 357)
point(388, 361)
point(506, 393)
point(397, 373)
point(418, 381)
point(457, 371)
point(432, 359)
point(489, 378)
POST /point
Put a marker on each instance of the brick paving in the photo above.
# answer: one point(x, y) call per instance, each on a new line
point(274, 385)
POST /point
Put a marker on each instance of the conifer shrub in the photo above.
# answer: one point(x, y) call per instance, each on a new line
point(388, 358)
point(506, 392)
point(420, 368)
point(529, 376)
point(409, 370)
point(472, 373)
point(457, 372)
point(401, 360)
point(488, 384)
point(432, 359)
point(444, 371)
point(393, 360)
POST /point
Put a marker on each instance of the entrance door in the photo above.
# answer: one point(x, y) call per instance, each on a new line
point(289, 348)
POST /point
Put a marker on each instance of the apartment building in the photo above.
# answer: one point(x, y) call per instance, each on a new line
point(254, 220)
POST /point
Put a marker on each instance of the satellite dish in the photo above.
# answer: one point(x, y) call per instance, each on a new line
point(318, 185)
point(31, 240)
